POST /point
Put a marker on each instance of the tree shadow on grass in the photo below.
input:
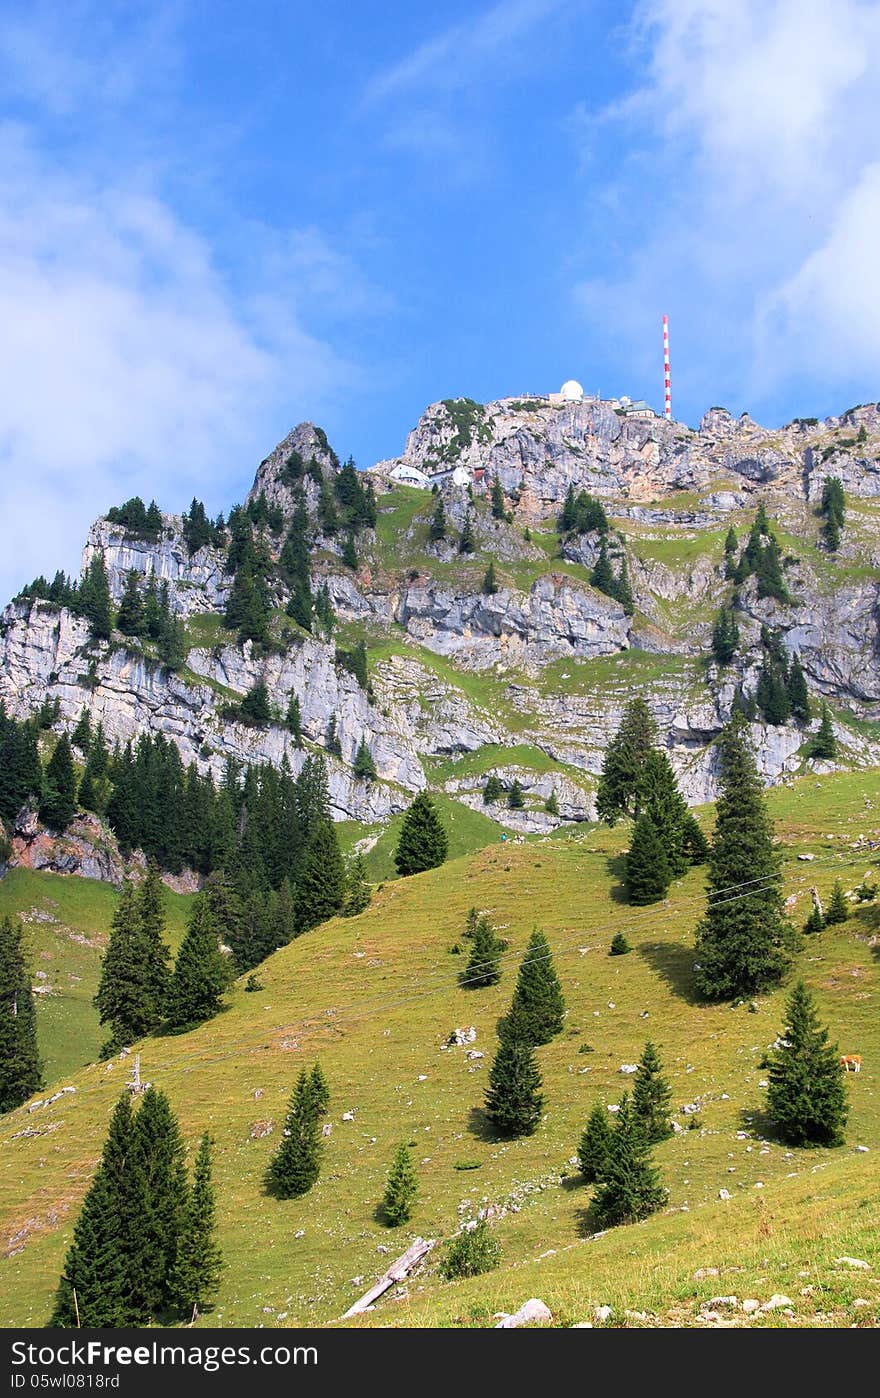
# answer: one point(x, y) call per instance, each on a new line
point(480, 1126)
point(586, 1221)
point(616, 867)
point(759, 1124)
point(674, 964)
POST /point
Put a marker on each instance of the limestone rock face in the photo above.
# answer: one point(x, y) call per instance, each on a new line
point(197, 583)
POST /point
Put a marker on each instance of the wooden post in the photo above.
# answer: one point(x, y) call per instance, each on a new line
point(76, 1309)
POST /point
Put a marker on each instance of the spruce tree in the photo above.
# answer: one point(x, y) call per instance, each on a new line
point(294, 719)
point(492, 790)
point(93, 1290)
point(159, 1193)
point(357, 888)
point(824, 743)
point(296, 1164)
point(731, 544)
point(651, 1096)
point(619, 945)
point(725, 636)
point(806, 1097)
point(497, 499)
point(132, 992)
point(513, 1100)
point(629, 1188)
point(621, 785)
point(20, 1067)
point(321, 887)
point(21, 775)
point(594, 1144)
point(130, 618)
point(622, 588)
point(94, 600)
point(538, 1006)
point(666, 806)
point(201, 974)
point(466, 543)
point(58, 806)
point(364, 767)
point(319, 1089)
point(515, 799)
point(400, 1189)
point(798, 694)
point(81, 737)
point(551, 805)
point(816, 921)
point(422, 843)
point(647, 869)
point(198, 1261)
point(490, 583)
point(255, 707)
point(437, 527)
point(602, 576)
point(838, 908)
point(742, 940)
point(484, 963)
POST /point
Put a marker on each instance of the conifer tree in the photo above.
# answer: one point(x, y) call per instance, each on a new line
point(294, 719)
point(594, 1144)
point(21, 775)
point(296, 1165)
point(492, 790)
point(93, 1290)
point(725, 636)
point(400, 1189)
point(513, 1100)
point(320, 1090)
point(621, 785)
point(357, 888)
point(619, 945)
point(622, 588)
point(94, 600)
point(484, 963)
point(283, 915)
point(515, 799)
point(666, 806)
point(255, 704)
point(321, 887)
point(81, 737)
point(806, 1097)
point(651, 1096)
point(58, 806)
point(364, 766)
point(838, 908)
point(20, 1068)
point(742, 940)
point(824, 743)
point(158, 1185)
point(629, 1187)
point(798, 694)
point(538, 1006)
point(497, 499)
point(132, 992)
point(331, 740)
point(647, 869)
point(772, 693)
point(130, 617)
point(198, 1261)
point(349, 552)
point(816, 921)
point(87, 796)
point(422, 843)
point(731, 544)
point(602, 576)
point(437, 527)
point(201, 974)
point(466, 543)
point(551, 805)
point(490, 583)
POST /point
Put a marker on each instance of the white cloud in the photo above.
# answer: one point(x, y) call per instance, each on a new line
point(127, 362)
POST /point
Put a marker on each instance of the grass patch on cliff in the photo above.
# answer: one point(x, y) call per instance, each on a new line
point(374, 997)
point(475, 764)
point(66, 923)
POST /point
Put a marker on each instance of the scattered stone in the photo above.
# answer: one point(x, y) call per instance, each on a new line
point(628, 1068)
point(751, 1305)
point(603, 1313)
point(702, 1272)
point(529, 1312)
point(474, 1053)
point(259, 1129)
point(724, 1194)
point(348, 1116)
point(855, 1262)
point(326, 1129)
point(717, 1301)
point(777, 1302)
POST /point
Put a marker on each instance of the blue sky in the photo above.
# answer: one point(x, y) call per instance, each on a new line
point(217, 219)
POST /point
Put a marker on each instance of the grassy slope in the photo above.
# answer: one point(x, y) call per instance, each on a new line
point(375, 997)
point(67, 921)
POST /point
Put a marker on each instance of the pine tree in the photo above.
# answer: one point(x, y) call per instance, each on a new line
point(331, 738)
point(400, 1190)
point(93, 1290)
point(198, 1262)
point(484, 963)
point(647, 869)
point(349, 552)
point(629, 1189)
point(515, 798)
point(321, 887)
point(538, 1006)
point(319, 1089)
point(21, 775)
point(725, 636)
point(551, 805)
point(824, 743)
point(666, 806)
point(296, 1165)
point(94, 600)
point(81, 737)
point(490, 583)
point(132, 994)
point(838, 908)
point(58, 806)
point(622, 588)
point(20, 1067)
point(255, 706)
point(159, 1193)
point(731, 544)
point(497, 499)
point(466, 543)
point(87, 796)
point(492, 790)
point(806, 1097)
point(357, 888)
point(595, 1144)
point(651, 1096)
point(422, 843)
point(364, 766)
point(130, 617)
point(621, 785)
point(513, 1100)
point(816, 921)
point(798, 694)
point(619, 945)
point(602, 576)
point(294, 719)
point(741, 942)
point(437, 527)
point(772, 692)
point(201, 973)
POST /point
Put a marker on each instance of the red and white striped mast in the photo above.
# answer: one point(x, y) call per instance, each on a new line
point(667, 409)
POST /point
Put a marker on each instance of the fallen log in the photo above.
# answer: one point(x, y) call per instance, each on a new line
point(396, 1272)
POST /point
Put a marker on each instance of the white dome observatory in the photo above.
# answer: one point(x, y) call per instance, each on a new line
point(571, 391)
